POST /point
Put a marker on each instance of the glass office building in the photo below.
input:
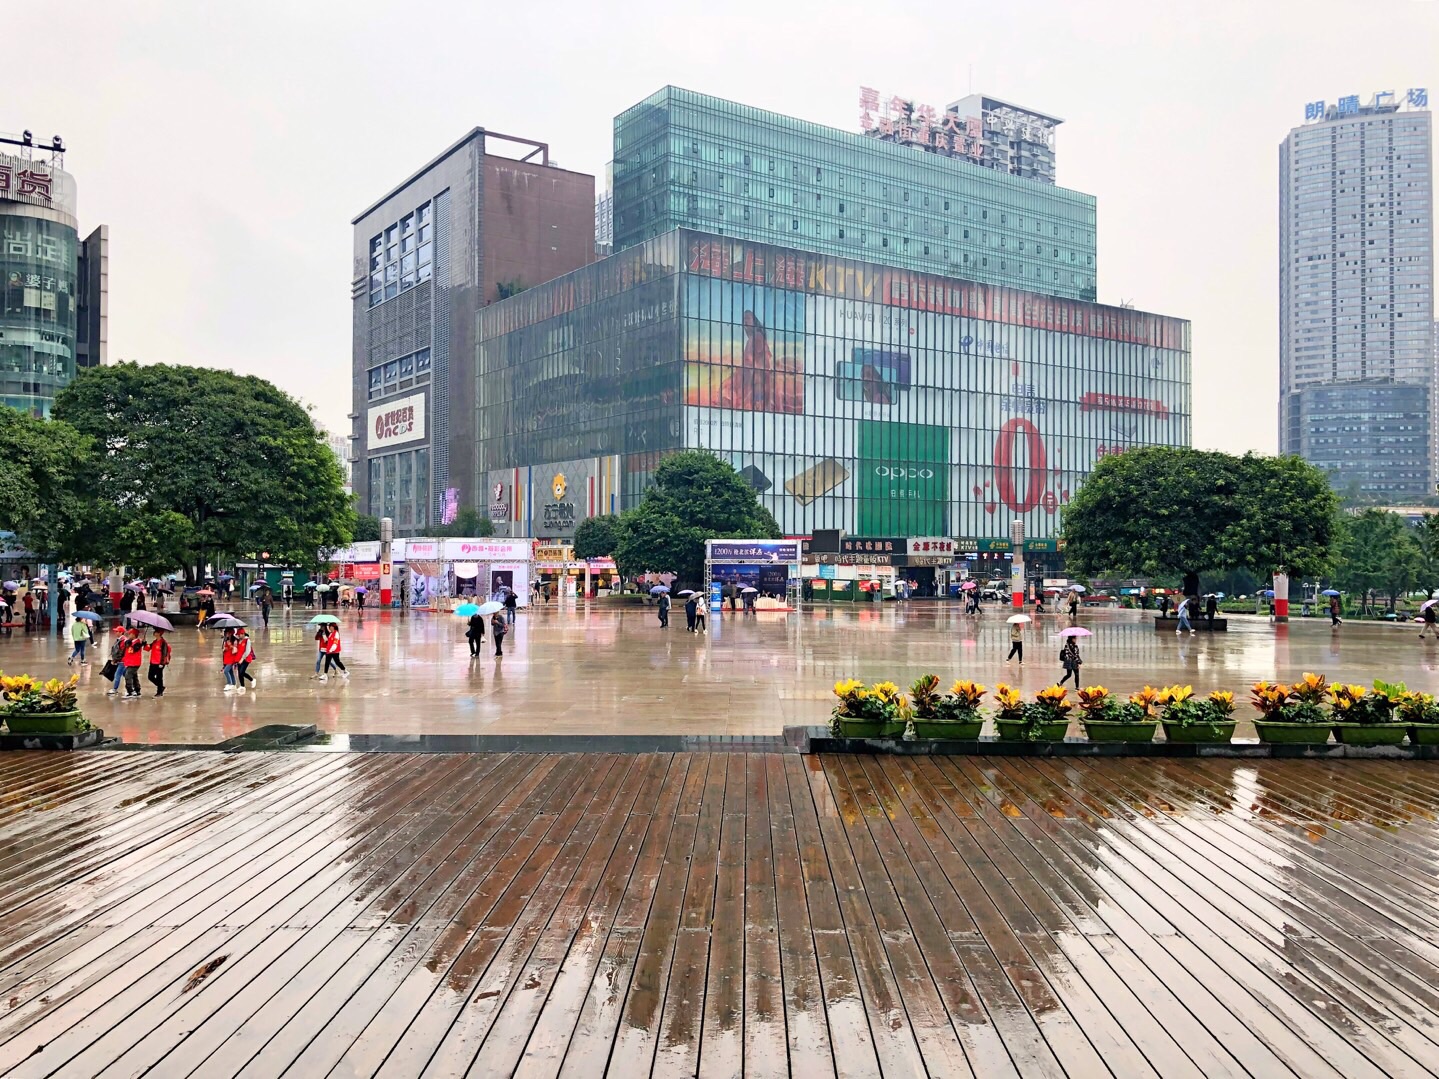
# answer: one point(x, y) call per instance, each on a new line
point(854, 395)
point(39, 282)
point(1356, 286)
point(686, 160)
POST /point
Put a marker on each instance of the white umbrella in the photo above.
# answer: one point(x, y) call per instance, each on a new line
point(490, 607)
point(1427, 604)
point(744, 590)
point(1018, 618)
point(1077, 588)
point(685, 592)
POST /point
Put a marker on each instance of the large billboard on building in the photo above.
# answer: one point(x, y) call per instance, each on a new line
point(397, 422)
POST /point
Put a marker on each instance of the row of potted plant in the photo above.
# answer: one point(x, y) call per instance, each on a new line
point(30, 706)
point(1304, 712)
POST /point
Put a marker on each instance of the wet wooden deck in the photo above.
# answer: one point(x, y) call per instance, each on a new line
point(316, 914)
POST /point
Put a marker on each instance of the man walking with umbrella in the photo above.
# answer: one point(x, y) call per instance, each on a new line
point(664, 607)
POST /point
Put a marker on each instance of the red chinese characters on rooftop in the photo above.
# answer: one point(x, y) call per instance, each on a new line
point(911, 124)
point(25, 181)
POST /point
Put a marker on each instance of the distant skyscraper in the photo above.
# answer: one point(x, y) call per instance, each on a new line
point(1356, 293)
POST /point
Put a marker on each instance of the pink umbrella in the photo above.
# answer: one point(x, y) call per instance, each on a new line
point(145, 618)
point(1075, 631)
point(1427, 604)
point(967, 586)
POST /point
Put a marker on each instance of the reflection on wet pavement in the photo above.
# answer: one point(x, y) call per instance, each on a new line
point(606, 671)
point(730, 913)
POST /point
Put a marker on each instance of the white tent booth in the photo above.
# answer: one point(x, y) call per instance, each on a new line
point(443, 573)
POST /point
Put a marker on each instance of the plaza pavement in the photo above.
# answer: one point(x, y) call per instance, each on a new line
point(604, 670)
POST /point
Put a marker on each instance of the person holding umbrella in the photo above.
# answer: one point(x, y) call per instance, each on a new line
point(498, 629)
point(229, 659)
point(81, 635)
point(1430, 614)
point(1016, 638)
point(691, 611)
point(245, 651)
point(664, 609)
point(159, 659)
point(332, 652)
point(1334, 619)
point(476, 631)
point(1069, 654)
point(134, 656)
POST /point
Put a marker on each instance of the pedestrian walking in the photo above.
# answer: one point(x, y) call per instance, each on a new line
point(476, 633)
point(81, 636)
point(1211, 608)
point(498, 629)
point(1074, 606)
point(229, 659)
point(114, 668)
point(1431, 622)
point(287, 593)
point(691, 612)
point(332, 654)
point(134, 657)
point(1039, 603)
point(1184, 617)
point(245, 651)
point(29, 604)
point(1016, 643)
point(700, 615)
point(664, 606)
point(1070, 661)
point(1334, 619)
point(265, 604)
point(1164, 606)
point(159, 659)
point(512, 604)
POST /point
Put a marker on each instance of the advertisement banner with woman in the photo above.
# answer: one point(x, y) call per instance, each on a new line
point(744, 347)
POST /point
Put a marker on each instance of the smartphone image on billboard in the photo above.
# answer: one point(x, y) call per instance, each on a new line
point(814, 482)
point(872, 375)
point(755, 478)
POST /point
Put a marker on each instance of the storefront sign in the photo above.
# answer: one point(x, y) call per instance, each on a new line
point(554, 553)
point(487, 550)
point(786, 551)
point(22, 180)
point(1043, 546)
point(499, 502)
point(852, 545)
point(930, 545)
point(602, 565)
point(397, 422)
point(427, 550)
point(993, 546)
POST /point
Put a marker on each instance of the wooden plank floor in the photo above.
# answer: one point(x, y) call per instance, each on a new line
point(337, 914)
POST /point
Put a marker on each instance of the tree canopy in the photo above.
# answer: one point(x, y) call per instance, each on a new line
point(1158, 510)
point(597, 537)
point(695, 497)
point(367, 528)
point(193, 465)
point(41, 464)
point(1378, 552)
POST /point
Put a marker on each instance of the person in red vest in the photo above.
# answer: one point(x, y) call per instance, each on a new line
point(245, 655)
point(229, 659)
point(331, 648)
point(134, 656)
point(159, 659)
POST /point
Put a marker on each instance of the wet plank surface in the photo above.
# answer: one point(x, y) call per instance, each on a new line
point(338, 914)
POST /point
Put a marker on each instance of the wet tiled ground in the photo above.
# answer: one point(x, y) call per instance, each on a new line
point(578, 672)
point(338, 914)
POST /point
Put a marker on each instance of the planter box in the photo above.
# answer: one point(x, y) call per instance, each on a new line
point(1276, 731)
point(948, 729)
point(1009, 730)
point(1199, 732)
point(1102, 730)
point(1370, 734)
point(1424, 734)
point(47, 723)
point(870, 728)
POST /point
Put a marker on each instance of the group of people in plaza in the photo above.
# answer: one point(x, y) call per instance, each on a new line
point(694, 612)
point(128, 653)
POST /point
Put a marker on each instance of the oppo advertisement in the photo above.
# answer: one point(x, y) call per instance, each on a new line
point(885, 421)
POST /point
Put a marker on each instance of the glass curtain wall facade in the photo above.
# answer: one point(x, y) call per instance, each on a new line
point(38, 260)
point(1371, 437)
point(850, 395)
point(686, 160)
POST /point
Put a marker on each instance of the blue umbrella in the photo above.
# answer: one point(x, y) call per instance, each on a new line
point(1329, 592)
point(657, 589)
point(89, 616)
point(465, 610)
point(1268, 592)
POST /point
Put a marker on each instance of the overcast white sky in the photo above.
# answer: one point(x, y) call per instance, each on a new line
point(228, 146)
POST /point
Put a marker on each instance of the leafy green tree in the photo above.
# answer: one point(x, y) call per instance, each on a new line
point(1377, 555)
point(367, 528)
point(1426, 542)
point(1161, 511)
point(695, 497)
point(598, 537)
point(41, 464)
point(238, 460)
point(468, 522)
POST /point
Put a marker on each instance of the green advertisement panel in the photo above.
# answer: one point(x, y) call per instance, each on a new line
point(903, 479)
